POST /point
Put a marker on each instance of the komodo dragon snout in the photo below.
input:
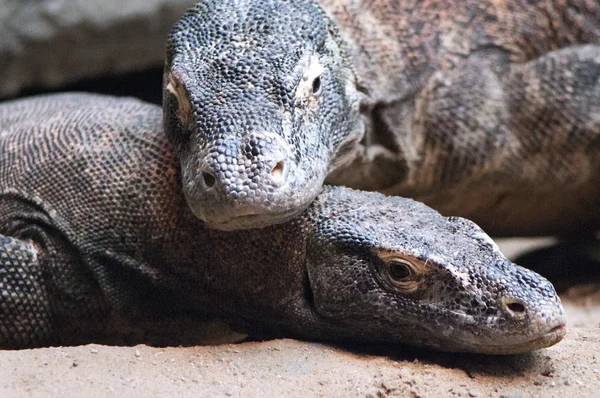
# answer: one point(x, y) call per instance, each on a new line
point(258, 98)
point(425, 279)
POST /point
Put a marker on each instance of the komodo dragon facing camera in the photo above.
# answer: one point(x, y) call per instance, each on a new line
point(97, 244)
point(485, 109)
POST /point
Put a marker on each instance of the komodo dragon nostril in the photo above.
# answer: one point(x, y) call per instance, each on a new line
point(278, 172)
point(514, 307)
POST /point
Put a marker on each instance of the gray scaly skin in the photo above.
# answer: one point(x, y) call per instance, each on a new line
point(484, 109)
point(97, 244)
point(243, 109)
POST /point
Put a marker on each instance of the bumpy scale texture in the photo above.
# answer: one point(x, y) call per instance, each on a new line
point(484, 109)
point(98, 244)
point(244, 110)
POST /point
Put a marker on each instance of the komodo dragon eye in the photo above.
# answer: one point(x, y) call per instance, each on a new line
point(311, 84)
point(400, 273)
point(316, 86)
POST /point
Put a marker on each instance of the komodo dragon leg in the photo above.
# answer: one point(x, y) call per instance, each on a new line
point(25, 314)
point(45, 300)
point(554, 109)
point(542, 176)
point(48, 295)
point(42, 296)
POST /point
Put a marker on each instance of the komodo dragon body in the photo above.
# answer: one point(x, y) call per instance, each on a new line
point(97, 244)
point(485, 109)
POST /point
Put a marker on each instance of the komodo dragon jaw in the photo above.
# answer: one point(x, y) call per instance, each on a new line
point(259, 104)
point(394, 270)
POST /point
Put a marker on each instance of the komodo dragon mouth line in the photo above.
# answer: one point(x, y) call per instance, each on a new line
point(499, 344)
point(548, 339)
point(240, 221)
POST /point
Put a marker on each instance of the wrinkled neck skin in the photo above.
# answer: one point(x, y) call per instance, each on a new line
point(390, 64)
point(255, 279)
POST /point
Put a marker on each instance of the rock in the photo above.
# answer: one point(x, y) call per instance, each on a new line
point(47, 43)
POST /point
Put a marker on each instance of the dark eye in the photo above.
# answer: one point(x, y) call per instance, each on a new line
point(398, 271)
point(316, 86)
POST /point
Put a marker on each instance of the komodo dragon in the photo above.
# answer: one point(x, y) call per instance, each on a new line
point(485, 109)
point(97, 244)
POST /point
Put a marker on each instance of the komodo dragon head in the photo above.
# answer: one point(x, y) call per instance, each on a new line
point(389, 269)
point(258, 97)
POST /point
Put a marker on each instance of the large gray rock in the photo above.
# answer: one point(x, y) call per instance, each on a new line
point(46, 43)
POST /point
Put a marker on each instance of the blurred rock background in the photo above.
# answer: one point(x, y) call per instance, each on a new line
point(114, 47)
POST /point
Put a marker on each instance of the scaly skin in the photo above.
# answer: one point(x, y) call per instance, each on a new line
point(97, 244)
point(484, 109)
point(245, 86)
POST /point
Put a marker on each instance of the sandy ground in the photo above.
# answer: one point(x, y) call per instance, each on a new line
point(301, 369)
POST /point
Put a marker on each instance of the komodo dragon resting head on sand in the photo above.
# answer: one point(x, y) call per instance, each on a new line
point(97, 244)
point(479, 108)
